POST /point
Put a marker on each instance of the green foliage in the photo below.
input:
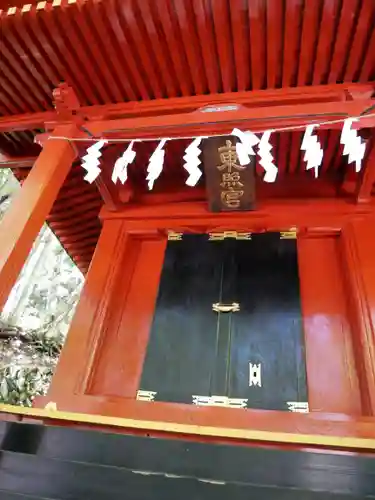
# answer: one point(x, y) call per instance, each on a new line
point(19, 386)
point(35, 319)
point(29, 360)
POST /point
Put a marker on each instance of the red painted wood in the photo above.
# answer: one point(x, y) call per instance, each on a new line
point(325, 42)
point(261, 118)
point(257, 18)
point(331, 369)
point(99, 43)
point(222, 30)
point(131, 63)
point(309, 35)
point(91, 71)
point(75, 70)
point(298, 95)
point(172, 45)
point(191, 43)
point(241, 46)
point(102, 360)
point(208, 47)
point(358, 244)
point(23, 220)
point(144, 16)
point(275, 24)
point(73, 371)
point(270, 214)
point(118, 367)
point(347, 18)
point(16, 54)
point(368, 64)
point(147, 35)
point(362, 29)
point(292, 39)
point(219, 418)
point(367, 179)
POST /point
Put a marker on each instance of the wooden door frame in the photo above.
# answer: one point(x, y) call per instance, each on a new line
point(320, 217)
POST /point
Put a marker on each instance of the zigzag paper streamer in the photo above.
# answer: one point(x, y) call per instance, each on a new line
point(313, 150)
point(192, 160)
point(244, 148)
point(266, 158)
point(155, 165)
point(90, 162)
point(120, 170)
point(353, 145)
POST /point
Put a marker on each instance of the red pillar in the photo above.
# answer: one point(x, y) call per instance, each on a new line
point(92, 314)
point(28, 211)
point(358, 239)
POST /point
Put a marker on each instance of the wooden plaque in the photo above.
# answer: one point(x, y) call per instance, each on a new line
point(230, 185)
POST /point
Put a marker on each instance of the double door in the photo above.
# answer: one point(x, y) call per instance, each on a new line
point(227, 324)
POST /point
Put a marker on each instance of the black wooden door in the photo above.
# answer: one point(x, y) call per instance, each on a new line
point(267, 357)
point(181, 351)
point(257, 353)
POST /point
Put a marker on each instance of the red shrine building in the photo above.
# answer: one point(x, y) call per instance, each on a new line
point(209, 166)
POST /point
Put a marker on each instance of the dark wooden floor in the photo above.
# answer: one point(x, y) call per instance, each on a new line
point(40, 462)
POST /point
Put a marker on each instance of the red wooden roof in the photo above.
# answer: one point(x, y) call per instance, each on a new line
point(126, 50)
point(114, 51)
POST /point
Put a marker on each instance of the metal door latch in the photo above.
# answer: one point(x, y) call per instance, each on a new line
point(223, 235)
point(225, 308)
point(289, 235)
point(146, 395)
point(255, 374)
point(298, 406)
point(222, 401)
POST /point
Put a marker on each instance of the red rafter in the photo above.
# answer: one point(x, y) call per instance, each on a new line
point(222, 30)
point(362, 29)
point(325, 41)
point(257, 16)
point(343, 38)
point(367, 179)
point(310, 31)
point(208, 47)
point(274, 41)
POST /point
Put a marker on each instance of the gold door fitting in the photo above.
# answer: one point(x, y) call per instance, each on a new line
point(222, 401)
point(219, 236)
point(288, 235)
point(173, 236)
point(225, 308)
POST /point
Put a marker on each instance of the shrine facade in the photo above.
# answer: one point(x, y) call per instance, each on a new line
point(210, 168)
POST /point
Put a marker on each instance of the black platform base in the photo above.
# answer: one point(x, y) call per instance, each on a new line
point(60, 463)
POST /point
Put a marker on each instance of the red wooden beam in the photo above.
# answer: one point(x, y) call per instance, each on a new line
point(110, 192)
point(17, 161)
point(367, 180)
point(297, 95)
point(28, 211)
point(201, 122)
point(27, 121)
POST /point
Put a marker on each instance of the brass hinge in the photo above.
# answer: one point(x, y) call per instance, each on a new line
point(297, 406)
point(172, 236)
point(224, 308)
point(219, 236)
point(288, 235)
point(51, 406)
point(146, 395)
point(223, 401)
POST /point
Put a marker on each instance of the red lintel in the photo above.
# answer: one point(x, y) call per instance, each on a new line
point(296, 96)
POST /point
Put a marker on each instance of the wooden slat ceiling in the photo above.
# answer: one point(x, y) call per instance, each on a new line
point(125, 50)
point(74, 216)
point(130, 50)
